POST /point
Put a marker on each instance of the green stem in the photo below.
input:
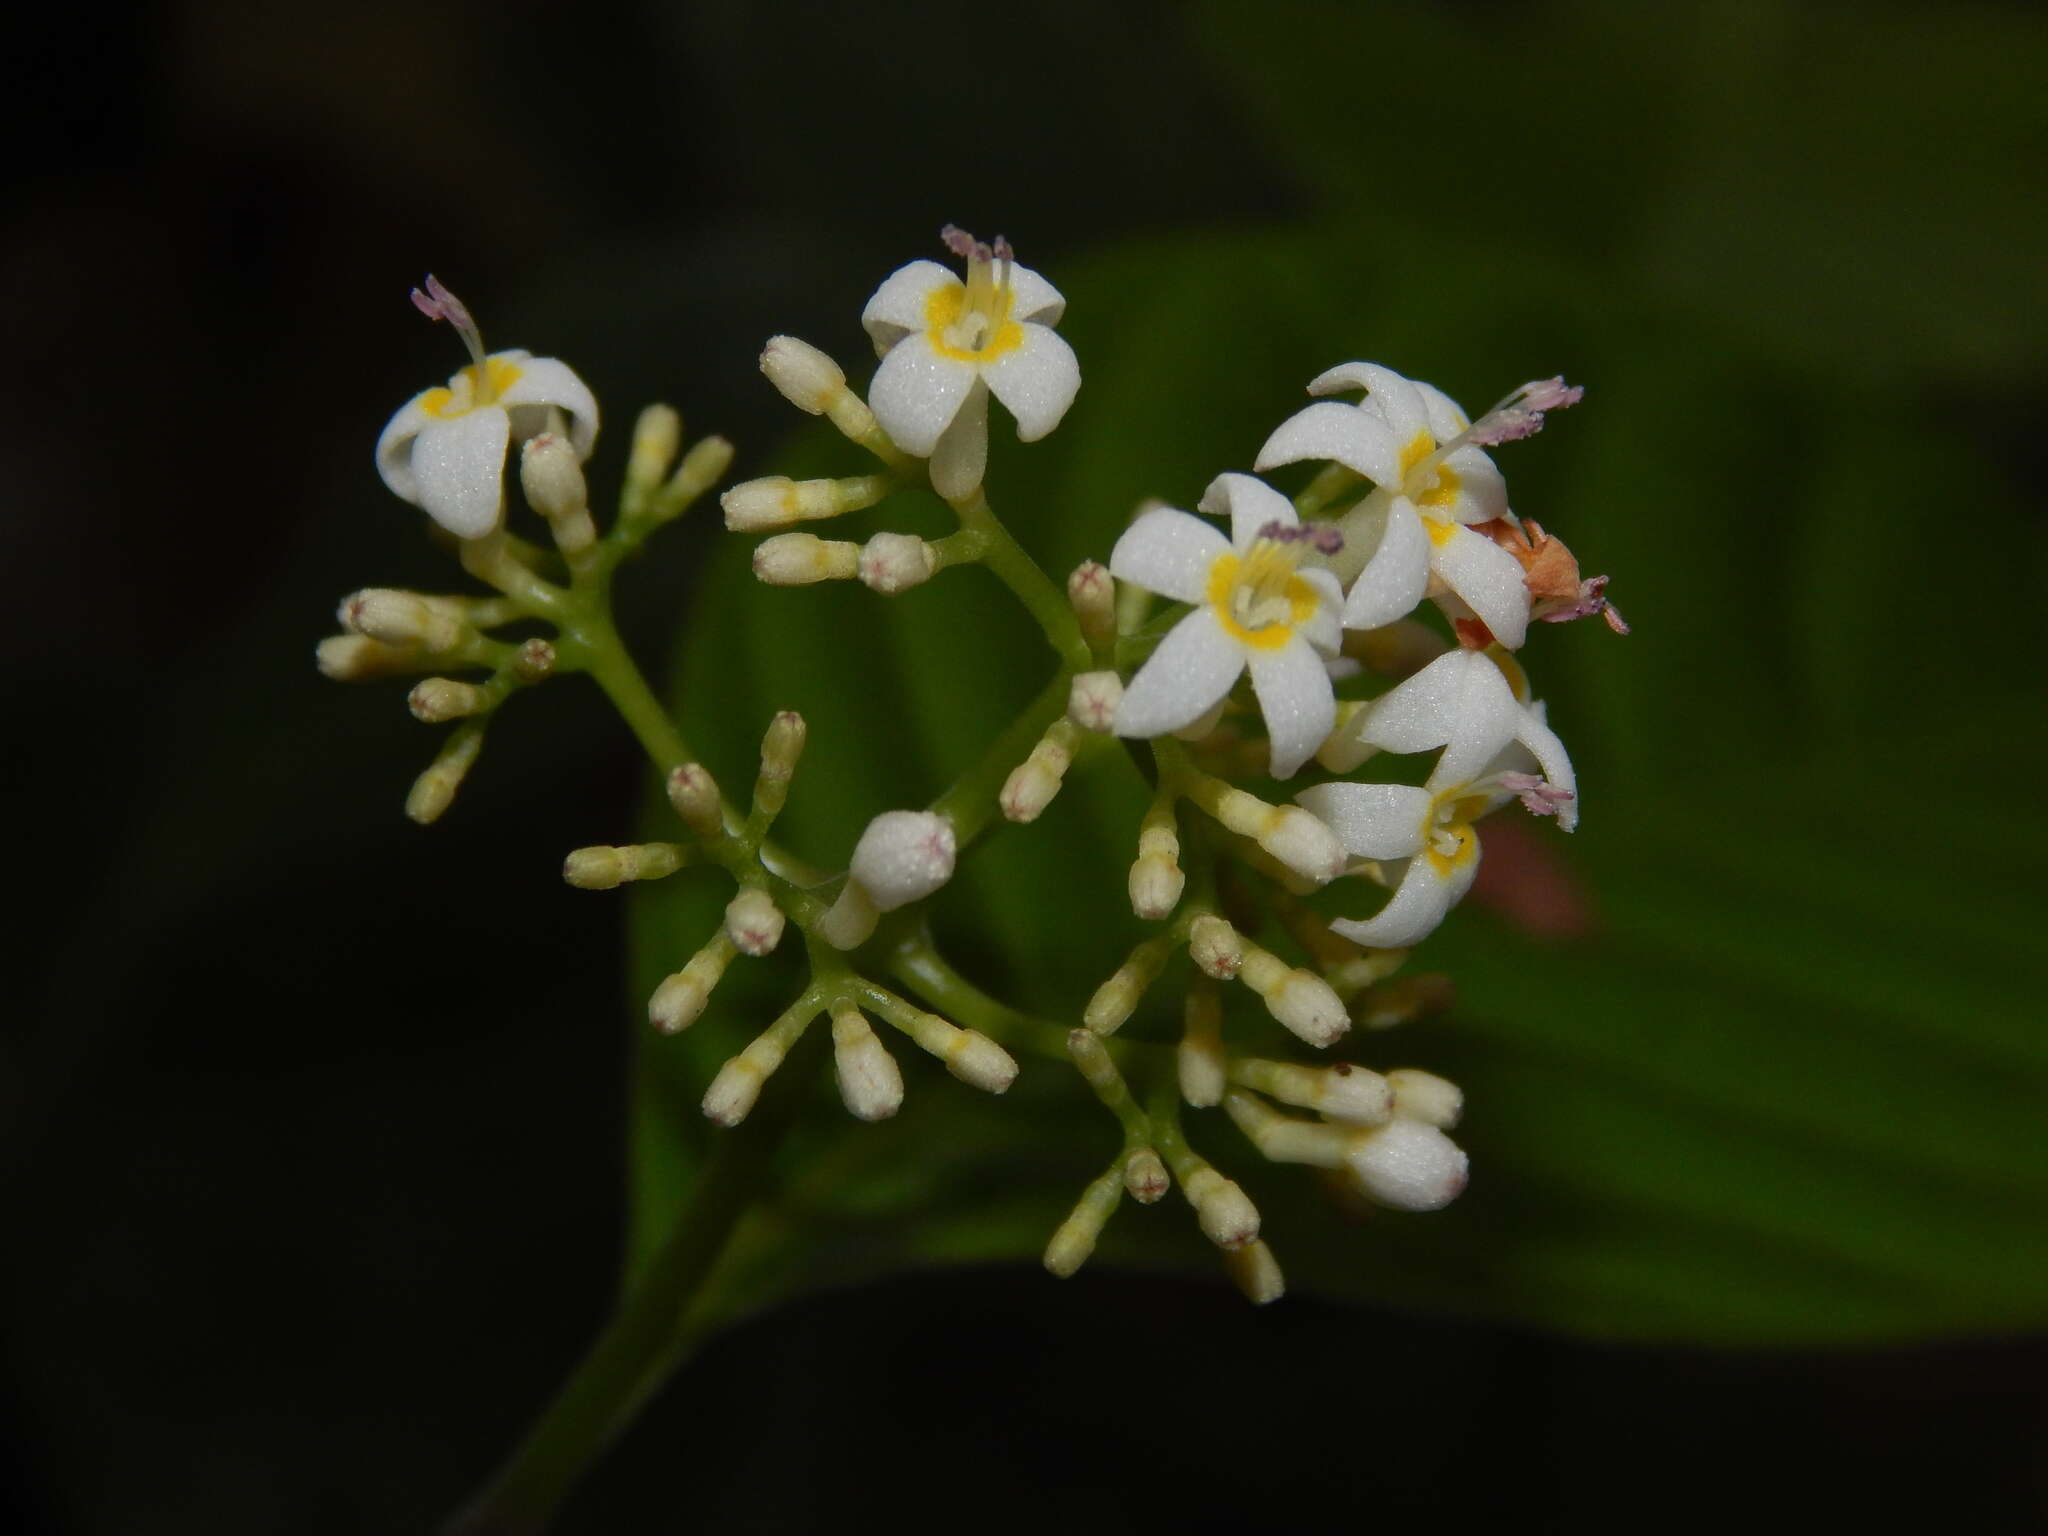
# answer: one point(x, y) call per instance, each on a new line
point(1041, 597)
point(647, 1337)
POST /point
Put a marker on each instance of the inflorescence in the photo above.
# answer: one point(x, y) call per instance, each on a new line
point(1311, 599)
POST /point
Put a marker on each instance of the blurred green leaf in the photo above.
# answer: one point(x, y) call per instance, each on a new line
point(1788, 1092)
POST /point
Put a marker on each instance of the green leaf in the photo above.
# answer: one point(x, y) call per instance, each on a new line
point(1788, 1089)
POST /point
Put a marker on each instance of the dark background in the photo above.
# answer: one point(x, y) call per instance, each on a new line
point(312, 1121)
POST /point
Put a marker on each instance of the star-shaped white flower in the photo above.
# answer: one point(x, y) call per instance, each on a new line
point(1256, 607)
point(1410, 538)
point(1462, 703)
point(445, 449)
point(945, 345)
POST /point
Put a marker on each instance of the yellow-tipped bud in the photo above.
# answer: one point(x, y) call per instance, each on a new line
point(439, 699)
point(694, 794)
point(801, 559)
point(602, 869)
point(1256, 1272)
point(434, 790)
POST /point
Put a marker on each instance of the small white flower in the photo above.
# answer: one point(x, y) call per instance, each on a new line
point(945, 345)
point(1410, 538)
point(1255, 606)
point(1462, 703)
point(445, 449)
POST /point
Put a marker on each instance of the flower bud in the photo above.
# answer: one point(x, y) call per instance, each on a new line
point(1092, 700)
point(552, 477)
point(1299, 840)
point(356, 658)
point(402, 619)
point(1256, 1272)
point(1033, 783)
point(799, 559)
point(1200, 1058)
point(602, 869)
point(753, 922)
point(1093, 594)
point(1156, 884)
point(1076, 1236)
point(702, 467)
point(781, 746)
point(1283, 1139)
point(904, 856)
point(1117, 998)
point(1145, 1176)
point(656, 436)
point(694, 794)
point(434, 790)
point(534, 661)
point(869, 1081)
point(679, 1001)
point(1299, 999)
point(1224, 1212)
point(1216, 947)
point(1341, 1091)
point(1426, 1097)
point(807, 378)
point(1408, 1165)
point(895, 562)
point(439, 699)
point(979, 1062)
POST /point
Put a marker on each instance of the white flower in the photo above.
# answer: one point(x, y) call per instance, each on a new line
point(445, 449)
point(1255, 606)
point(946, 344)
point(1462, 703)
point(1414, 443)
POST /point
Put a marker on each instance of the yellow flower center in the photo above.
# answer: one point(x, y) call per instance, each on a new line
point(1431, 484)
point(1260, 597)
point(970, 322)
point(467, 392)
point(1448, 841)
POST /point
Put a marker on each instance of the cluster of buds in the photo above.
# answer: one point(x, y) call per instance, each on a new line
point(1295, 649)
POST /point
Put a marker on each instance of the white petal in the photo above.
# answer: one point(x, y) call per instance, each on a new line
point(1396, 399)
point(1488, 579)
point(1551, 757)
point(1482, 493)
point(961, 453)
point(1396, 576)
point(1374, 821)
point(1418, 905)
point(1446, 417)
point(1296, 699)
point(1322, 629)
point(917, 393)
point(898, 306)
point(394, 448)
point(1169, 552)
point(1249, 504)
point(1344, 433)
point(550, 381)
point(1461, 702)
point(458, 463)
point(1037, 381)
point(1181, 681)
point(1032, 298)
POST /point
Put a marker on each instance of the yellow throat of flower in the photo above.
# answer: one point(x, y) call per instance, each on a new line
point(970, 322)
point(1260, 597)
point(1429, 482)
point(1448, 841)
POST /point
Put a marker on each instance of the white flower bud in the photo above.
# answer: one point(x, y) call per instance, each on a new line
point(1298, 998)
point(799, 559)
point(434, 790)
point(679, 1001)
point(1225, 1213)
point(1256, 1272)
point(1426, 1097)
point(552, 477)
point(437, 699)
point(807, 378)
point(1408, 1165)
point(355, 658)
point(1092, 700)
point(979, 1062)
point(904, 856)
point(1216, 947)
point(1033, 783)
point(694, 794)
point(1093, 593)
point(851, 918)
point(1145, 1176)
point(1075, 1239)
point(1283, 1139)
point(1156, 885)
point(402, 619)
point(869, 1081)
point(732, 1093)
point(753, 922)
point(1342, 1091)
point(1200, 1057)
point(1304, 844)
point(1115, 1000)
point(656, 436)
point(602, 869)
point(895, 562)
point(702, 467)
point(781, 746)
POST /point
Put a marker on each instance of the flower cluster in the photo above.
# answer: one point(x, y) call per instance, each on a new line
point(1293, 641)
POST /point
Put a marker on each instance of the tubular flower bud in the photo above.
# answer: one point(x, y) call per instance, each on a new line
point(776, 501)
point(1092, 591)
point(1298, 839)
point(1116, 999)
point(679, 1001)
point(1092, 700)
point(896, 562)
point(738, 1084)
point(438, 699)
point(1033, 783)
point(1224, 1212)
point(1075, 1238)
point(552, 477)
point(753, 922)
point(403, 619)
point(1342, 1091)
point(902, 857)
point(534, 661)
point(869, 1081)
point(1156, 879)
point(602, 869)
point(1145, 1177)
point(656, 437)
point(1426, 1097)
point(800, 559)
point(968, 1054)
point(694, 794)
point(781, 747)
point(357, 658)
point(1200, 1058)
point(807, 378)
point(434, 790)
point(1299, 999)
point(1256, 1272)
point(1216, 947)
point(702, 467)
point(1283, 1139)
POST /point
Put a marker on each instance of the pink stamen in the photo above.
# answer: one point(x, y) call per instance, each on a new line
point(437, 303)
point(1326, 539)
point(1521, 414)
point(1539, 796)
point(1592, 599)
